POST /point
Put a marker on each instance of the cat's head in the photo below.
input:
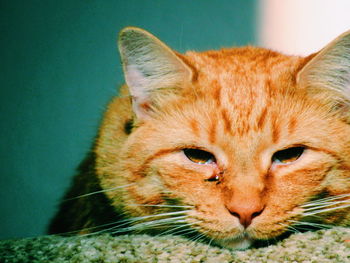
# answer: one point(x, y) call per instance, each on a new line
point(239, 144)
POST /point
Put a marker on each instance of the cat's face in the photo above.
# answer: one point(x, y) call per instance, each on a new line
point(237, 149)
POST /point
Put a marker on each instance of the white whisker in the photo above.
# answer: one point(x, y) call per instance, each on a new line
point(154, 223)
point(290, 227)
point(173, 220)
point(327, 205)
point(160, 215)
point(97, 192)
point(303, 223)
point(124, 225)
point(173, 230)
point(185, 231)
point(198, 237)
point(168, 206)
point(326, 210)
point(209, 243)
point(325, 200)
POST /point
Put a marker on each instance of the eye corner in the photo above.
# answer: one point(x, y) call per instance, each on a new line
point(215, 178)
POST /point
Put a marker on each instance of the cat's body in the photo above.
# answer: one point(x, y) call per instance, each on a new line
point(237, 144)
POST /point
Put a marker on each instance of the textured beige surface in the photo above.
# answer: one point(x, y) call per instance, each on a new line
point(322, 246)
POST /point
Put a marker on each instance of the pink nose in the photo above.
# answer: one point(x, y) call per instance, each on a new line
point(246, 212)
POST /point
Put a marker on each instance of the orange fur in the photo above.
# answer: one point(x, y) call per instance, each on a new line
point(242, 105)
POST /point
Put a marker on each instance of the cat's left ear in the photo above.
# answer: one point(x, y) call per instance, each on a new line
point(151, 69)
point(327, 75)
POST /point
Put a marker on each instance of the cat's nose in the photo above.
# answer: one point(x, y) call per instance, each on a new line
point(246, 212)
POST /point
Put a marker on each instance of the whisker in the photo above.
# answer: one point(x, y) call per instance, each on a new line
point(173, 230)
point(90, 228)
point(185, 231)
point(114, 225)
point(290, 227)
point(198, 237)
point(302, 223)
point(209, 243)
point(168, 206)
point(160, 220)
point(174, 220)
point(160, 215)
point(299, 229)
point(146, 225)
point(325, 200)
point(97, 192)
point(327, 205)
point(129, 221)
point(202, 235)
point(326, 210)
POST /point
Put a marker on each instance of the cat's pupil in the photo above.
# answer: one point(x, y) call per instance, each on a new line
point(288, 155)
point(199, 156)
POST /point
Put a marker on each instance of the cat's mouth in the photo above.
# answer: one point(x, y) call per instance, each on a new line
point(237, 237)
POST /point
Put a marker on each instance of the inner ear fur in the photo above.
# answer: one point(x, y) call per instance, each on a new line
point(151, 69)
point(327, 74)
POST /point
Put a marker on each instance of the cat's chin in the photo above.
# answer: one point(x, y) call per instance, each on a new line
point(240, 243)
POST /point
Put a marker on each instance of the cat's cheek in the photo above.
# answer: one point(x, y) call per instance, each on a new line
point(139, 195)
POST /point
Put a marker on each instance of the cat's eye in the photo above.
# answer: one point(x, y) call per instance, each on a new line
point(199, 156)
point(288, 155)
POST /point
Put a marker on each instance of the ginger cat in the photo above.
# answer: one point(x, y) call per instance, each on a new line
point(229, 146)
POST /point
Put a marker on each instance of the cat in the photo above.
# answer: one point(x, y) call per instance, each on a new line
point(230, 146)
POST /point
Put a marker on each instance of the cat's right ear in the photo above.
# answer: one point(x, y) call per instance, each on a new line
point(327, 74)
point(150, 68)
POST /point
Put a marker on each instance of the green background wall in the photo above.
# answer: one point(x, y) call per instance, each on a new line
point(60, 67)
